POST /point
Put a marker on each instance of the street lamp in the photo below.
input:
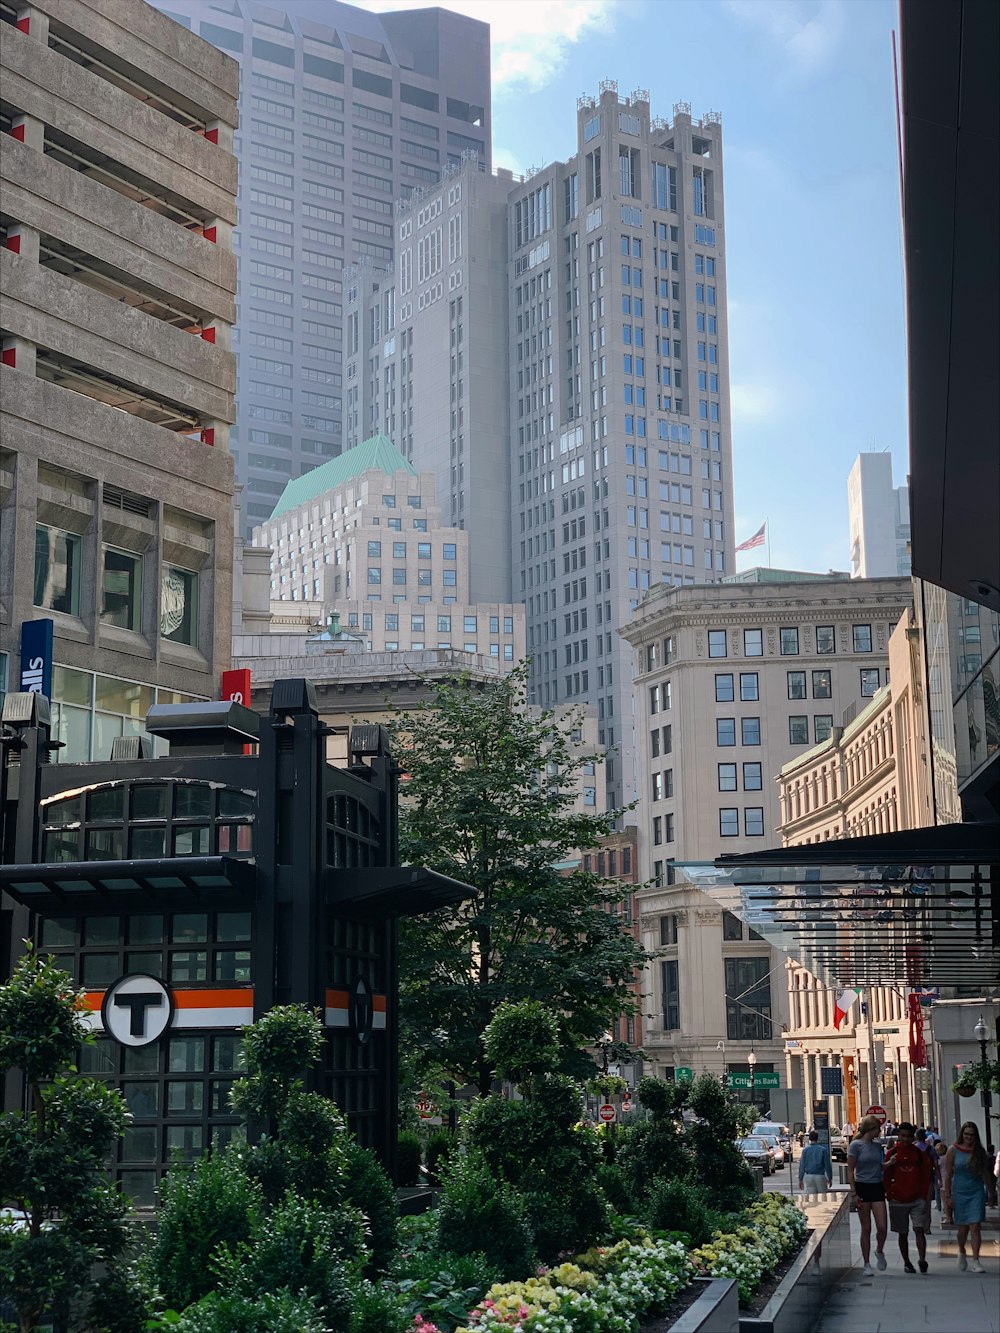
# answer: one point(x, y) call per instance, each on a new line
point(982, 1032)
point(752, 1062)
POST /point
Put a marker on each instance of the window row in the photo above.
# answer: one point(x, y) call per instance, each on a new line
point(753, 641)
point(729, 777)
point(753, 821)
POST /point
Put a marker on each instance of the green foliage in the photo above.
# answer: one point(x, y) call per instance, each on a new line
point(408, 1154)
point(443, 1288)
point(271, 1312)
point(662, 1099)
point(490, 802)
point(606, 1086)
point(212, 1204)
point(611, 1182)
point(306, 1155)
point(122, 1301)
point(278, 1047)
point(521, 1042)
point(720, 1164)
point(300, 1249)
point(378, 1310)
point(439, 1149)
point(650, 1150)
point(370, 1190)
point(51, 1157)
point(683, 1206)
point(479, 1214)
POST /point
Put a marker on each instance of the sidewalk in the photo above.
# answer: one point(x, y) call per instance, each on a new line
point(944, 1300)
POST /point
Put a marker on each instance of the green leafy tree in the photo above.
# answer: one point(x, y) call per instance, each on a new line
point(492, 800)
point(52, 1155)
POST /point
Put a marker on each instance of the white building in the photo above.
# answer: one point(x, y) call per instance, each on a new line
point(879, 516)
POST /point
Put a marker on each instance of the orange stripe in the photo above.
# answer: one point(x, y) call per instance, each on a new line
point(213, 999)
point(378, 1004)
point(337, 999)
point(93, 999)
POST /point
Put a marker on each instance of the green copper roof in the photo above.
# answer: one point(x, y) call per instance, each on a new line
point(377, 454)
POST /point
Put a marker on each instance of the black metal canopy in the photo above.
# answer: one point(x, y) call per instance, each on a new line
point(393, 890)
point(85, 886)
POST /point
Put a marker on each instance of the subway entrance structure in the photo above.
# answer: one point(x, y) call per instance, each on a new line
point(190, 893)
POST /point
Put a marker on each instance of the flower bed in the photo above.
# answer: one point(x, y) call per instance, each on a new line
point(774, 1228)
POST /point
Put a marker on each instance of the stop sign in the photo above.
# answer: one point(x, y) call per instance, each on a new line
point(879, 1113)
point(607, 1113)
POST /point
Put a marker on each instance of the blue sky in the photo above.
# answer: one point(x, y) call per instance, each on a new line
point(816, 302)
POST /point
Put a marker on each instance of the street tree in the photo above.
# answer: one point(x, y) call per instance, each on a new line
point(492, 798)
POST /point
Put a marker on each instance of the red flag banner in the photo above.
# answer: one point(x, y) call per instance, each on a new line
point(756, 540)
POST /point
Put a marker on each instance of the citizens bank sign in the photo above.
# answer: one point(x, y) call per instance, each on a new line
point(36, 657)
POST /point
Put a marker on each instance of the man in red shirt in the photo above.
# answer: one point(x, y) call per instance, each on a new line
point(908, 1175)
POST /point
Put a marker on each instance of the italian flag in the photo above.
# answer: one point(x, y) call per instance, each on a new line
point(844, 1001)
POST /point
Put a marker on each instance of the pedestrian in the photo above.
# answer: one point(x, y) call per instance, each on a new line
point(925, 1145)
point(815, 1166)
point(968, 1178)
point(907, 1175)
point(864, 1174)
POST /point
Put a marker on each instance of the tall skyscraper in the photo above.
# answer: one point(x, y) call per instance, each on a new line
point(342, 112)
point(116, 389)
point(879, 516)
point(620, 433)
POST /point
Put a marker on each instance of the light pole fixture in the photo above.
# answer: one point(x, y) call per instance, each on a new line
point(752, 1062)
point(982, 1032)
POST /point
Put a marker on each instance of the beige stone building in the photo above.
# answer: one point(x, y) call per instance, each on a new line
point(731, 681)
point(116, 388)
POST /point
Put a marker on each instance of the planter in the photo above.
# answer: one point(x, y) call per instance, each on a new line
point(824, 1260)
point(717, 1309)
point(966, 1091)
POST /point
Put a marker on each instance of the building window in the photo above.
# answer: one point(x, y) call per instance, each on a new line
point(670, 985)
point(444, 624)
point(374, 575)
point(732, 927)
point(749, 686)
point(869, 682)
point(470, 624)
point(668, 929)
point(798, 730)
point(657, 787)
point(727, 777)
point(748, 999)
point(862, 638)
point(657, 831)
point(725, 731)
point(449, 551)
point(789, 643)
point(374, 550)
point(822, 727)
point(750, 730)
point(752, 777)
point(423, 550)
point(822, 684)
point(729, 822)
point(826, 641)
point(796, 684)
point(724, 689)
point(716, 642)
point(57, 570)
point(753, 643)
point(179, 605)
point(121, 592)
point(753, 821)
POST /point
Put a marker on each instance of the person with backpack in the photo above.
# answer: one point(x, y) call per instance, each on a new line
point(924, 1144)
point(908, 1176)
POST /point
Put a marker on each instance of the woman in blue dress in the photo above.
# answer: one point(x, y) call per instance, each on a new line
point(967, 1181)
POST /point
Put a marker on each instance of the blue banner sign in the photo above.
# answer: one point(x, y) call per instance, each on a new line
point(36, 657)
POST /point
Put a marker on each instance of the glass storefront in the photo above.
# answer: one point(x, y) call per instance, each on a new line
point(90, 710)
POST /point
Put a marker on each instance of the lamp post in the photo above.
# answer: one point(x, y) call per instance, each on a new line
point(721, 1046)
point(752, 1062)
point(982, 1032)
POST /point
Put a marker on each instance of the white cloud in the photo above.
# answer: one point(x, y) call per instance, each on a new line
point(509, 159)
point(531, 39)
point(753, 402)
point(808, 32)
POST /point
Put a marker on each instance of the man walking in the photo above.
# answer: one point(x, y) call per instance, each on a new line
point(815, 1167)
point(908, 1176)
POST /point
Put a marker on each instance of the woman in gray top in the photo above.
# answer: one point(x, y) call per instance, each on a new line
point(864, 1173)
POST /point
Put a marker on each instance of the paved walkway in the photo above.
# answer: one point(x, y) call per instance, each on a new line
point(944, 1300)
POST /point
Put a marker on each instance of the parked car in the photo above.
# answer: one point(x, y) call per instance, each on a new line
point(757, 1152)
point(781, 1132)
point(838, 1145)
point(774, 1143)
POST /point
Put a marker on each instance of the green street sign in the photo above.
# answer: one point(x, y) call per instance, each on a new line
point(682, 1072)
point(763, 1079)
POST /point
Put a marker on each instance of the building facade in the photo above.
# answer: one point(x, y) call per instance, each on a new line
point(362, 538)
point(117, 383)
point(879, 519)
point(732, 680)
point(341, 117)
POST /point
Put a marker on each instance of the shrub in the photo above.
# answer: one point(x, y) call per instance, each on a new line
point(651, 1150)
point(479, 1214)
point(270, 1312)
point(211, 1204)
point(300, 1249)
point(408, 1152)
point(370, 1190)
point(612, 1184)
point(521, 1042)
point(682, 1205)
point(377, 1310)
point(440, 1147)
point(443, 1288)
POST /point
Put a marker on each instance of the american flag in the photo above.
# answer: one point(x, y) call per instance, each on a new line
point(756, 540)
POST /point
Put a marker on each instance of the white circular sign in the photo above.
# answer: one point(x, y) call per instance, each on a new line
point(137, 1009)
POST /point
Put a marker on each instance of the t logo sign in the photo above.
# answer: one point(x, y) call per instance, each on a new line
point(137, 1010)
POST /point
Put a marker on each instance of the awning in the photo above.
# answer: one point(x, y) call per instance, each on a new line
point(918, 907)
point(87, 886)
point(392, 890)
